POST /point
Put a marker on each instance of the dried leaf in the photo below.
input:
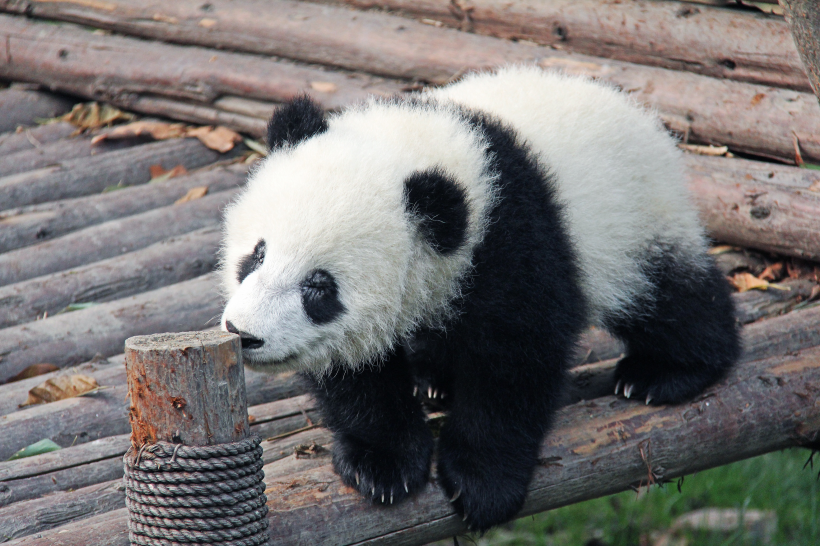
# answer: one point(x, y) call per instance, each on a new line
point(159, 174)
point(722, 249)
point(815, 292)
point(815, 186)
point(773, 272)
point(220, 138)
point(747, 281)
point(91, 115)
point(38, 448)
point(158, 130)
point(33, 371)
point(76, 307)
point(710, 150)
point(60, 388)
point(324, 87)
point(207, 23)
point(193, 193)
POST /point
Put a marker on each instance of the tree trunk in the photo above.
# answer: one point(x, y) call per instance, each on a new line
point(804, 20)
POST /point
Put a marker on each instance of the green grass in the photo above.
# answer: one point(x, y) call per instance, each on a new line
point(776, 481)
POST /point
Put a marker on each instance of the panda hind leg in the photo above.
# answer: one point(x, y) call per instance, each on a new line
point(685, 340)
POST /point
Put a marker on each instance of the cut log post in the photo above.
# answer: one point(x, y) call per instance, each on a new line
point(28, 138)
point(84, 176)
point(71, 338)
point(186, 388)
point(34, 224)
point(111, 238)
point(24, 107)
point(804, 20)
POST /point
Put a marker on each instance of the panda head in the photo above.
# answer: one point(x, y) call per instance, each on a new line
point(355, 230)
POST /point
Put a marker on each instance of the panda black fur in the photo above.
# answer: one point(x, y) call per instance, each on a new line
point(465, 238)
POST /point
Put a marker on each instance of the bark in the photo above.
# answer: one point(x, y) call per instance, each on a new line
point(30, 138)
point(740, 204)
point(54, 152)
point(755, 304)
point(191, 112)
point(24, 107)
point(803, 17)
point(596, 448)
point(84, 176)
point(72, 338)
point(170, 261)
point(721, 43)
point(112, 238)
point(37, 223)
point(112, 68)
point(749, 118)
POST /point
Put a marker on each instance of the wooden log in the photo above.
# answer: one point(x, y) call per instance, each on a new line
point(755, 119)
point(168, 262)
point(37, 223)
point(54, 152)
point(113, 67)
point(756, 304)
point(803, 17)
point(28, 138)
point(84, 176)
point(111, 238)
point(596, 448)
point(191, 112)
point(23, 107)
point(755, 211)
point(714, 42)
point(72, 338)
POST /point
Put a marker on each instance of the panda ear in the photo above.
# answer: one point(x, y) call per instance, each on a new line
point(439, 207)
point(295, 121)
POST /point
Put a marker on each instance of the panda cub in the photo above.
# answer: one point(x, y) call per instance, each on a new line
point(464, 238)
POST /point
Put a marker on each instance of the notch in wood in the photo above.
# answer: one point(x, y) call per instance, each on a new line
point(186, 388)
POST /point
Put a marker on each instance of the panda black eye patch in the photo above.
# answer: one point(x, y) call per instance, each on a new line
point(252, 261)
point(320, 297)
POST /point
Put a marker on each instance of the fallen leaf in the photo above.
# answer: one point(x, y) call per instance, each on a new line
point(76, 307)
point(38, 448)
point(219, 138)
point(773, 272)
point(815, 292)
point(256, 146)
point(158, 130)
point(207, 23)
point(747, 281)
point(710, 150)
point(193, 193)
point(324, 87)
point(757, 98)
point(159, 174)
point(815, 186)
point(91, 115)
point(33, 371)
point(60, 388)
point(721, 249)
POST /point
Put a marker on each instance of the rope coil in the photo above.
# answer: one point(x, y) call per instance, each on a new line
point(183, 495)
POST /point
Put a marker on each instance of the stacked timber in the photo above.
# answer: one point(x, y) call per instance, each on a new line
point(98, 242)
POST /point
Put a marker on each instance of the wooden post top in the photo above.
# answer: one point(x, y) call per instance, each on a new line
point(186, 388)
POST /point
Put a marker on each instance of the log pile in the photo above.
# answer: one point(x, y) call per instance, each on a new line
point(83, 267)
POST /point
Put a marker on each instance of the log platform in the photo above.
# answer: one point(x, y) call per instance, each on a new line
point(98, 242)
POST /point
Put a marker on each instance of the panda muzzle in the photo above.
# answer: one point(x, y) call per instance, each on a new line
point(248, 341)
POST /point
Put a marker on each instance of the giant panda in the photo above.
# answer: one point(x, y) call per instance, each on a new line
point(465, 237)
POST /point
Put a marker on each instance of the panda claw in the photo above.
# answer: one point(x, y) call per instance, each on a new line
point(373, 491)
point(648, 399)
point(443, 395)
point(382, 498)
point(456, 496)
point(391, 496)
point(628, 389)
point(357, 478)
point(415, 390)
point(429, 392)
point(406, 489)
point(465, 517)
point(617, 386)
point(435, 393)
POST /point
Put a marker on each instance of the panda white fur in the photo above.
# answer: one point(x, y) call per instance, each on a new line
point(464, 238)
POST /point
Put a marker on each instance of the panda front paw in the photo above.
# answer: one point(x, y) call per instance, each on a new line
point(647, 379)
point(383, 475)
point(484, 493)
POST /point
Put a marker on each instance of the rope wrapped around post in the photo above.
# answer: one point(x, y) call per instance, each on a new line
point(193, 474)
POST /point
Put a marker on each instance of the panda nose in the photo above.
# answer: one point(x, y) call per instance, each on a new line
point(248, 341)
